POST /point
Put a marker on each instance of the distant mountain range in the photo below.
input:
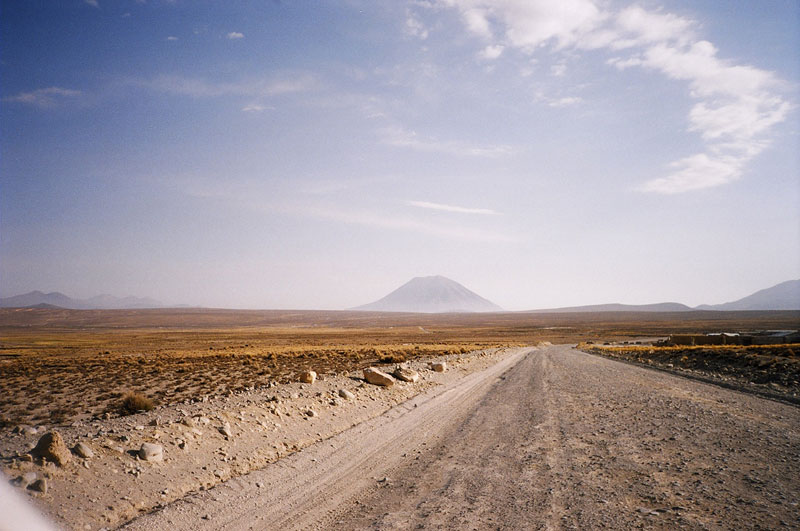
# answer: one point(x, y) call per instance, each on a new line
point(783, 296)
point(37, 299)
point(435, 294)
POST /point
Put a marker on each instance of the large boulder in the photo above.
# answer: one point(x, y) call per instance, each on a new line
point(52, 448)
point(406, 375)
point(377, 377)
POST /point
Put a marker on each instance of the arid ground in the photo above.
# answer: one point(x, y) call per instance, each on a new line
point(204, 369)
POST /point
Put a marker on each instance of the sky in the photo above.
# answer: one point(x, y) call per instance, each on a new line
point(318, 154)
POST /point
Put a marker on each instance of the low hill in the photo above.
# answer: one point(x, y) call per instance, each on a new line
point(658, 307)
point(435, 294)
point(783, 296)
point(55, 299)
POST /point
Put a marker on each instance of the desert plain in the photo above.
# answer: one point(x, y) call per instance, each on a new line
point(522, 430)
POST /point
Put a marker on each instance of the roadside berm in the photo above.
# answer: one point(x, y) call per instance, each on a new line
point(101, 474)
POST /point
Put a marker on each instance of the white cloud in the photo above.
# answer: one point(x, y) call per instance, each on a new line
point(530, 23)
point(415, 27)
point(737, 105)
point(558, 70)
point(45, 98)
point(477, 22)
point(451, 208)
point(395, 136)
point(235, 35)
point(92, 3)
point(492, 51)
point(172, 38)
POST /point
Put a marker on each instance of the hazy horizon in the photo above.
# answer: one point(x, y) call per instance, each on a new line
point(543, 153)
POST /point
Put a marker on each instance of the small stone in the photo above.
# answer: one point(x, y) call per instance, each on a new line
point(225, 430)
point(308, 377)
point(25, 479)
point(29, 430)
point(40, 485)
point(83, 450)
point(311, 413)
point(151, 452)
point(406, 375)
point(439, 366)
point(155, 422)
point(344, 393)
point(188, 422)
point(378, 377)
point(140, 427)
point(52, 448)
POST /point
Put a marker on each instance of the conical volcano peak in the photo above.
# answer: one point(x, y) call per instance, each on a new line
point(431, 294)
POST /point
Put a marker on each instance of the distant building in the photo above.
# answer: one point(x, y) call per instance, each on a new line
point(765, 337)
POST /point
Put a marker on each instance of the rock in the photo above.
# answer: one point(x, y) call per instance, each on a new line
point(377, 377)
point(39, 485)
point(155, 422)
point(151, 452)
point(29, 430)
point(406, 375)
point(308, 377)
point(344, 393)
point(24, 480)
point(225, 430)
point(188, 422)
point(83, 450)
point(439, 366)
point(52, 448)
point(311, 413)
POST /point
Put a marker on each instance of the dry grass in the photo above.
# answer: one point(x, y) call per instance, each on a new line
point(57, 366)
point(135, 403)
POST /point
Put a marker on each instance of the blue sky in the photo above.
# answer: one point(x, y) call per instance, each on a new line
point(319, 154)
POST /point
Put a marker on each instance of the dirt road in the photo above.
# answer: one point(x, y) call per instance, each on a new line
point(546, 439)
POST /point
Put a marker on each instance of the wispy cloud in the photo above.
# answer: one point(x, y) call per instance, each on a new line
point(92, 3)
point(45, 97)
point(256, 107)
point(565, 101)
point(451, 208)
point(396, 136)
point(737, 105)
point(201, 88)
point(235, 35)
point(382, 221)
point(172, 38)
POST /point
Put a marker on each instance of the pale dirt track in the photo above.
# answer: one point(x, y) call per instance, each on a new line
point(546, 439)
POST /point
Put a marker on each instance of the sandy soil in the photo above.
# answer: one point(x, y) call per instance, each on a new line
point(267, 424)
point(772, 371)
point(547, 439)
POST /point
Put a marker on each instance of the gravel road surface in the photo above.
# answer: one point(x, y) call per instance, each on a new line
point(548, 438)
